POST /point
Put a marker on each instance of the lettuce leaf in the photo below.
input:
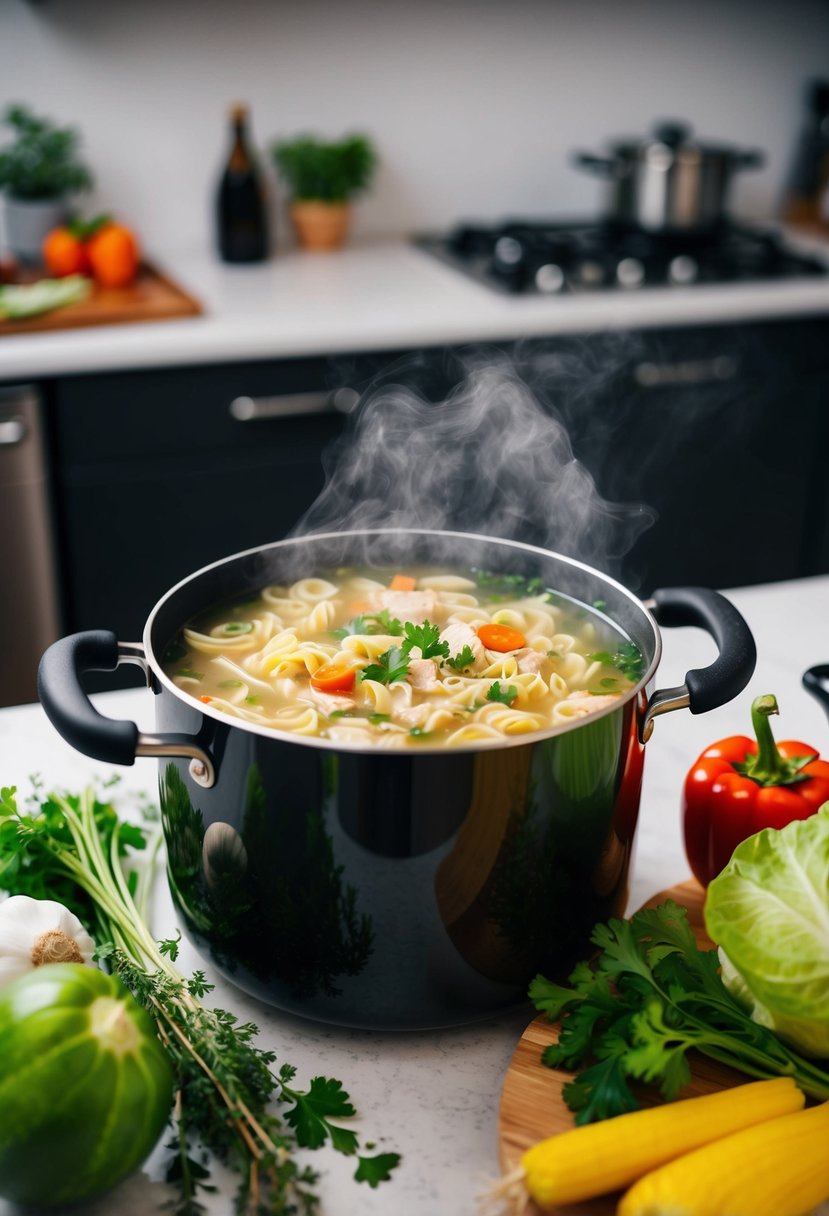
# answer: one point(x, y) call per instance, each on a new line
point(768, 912)
point(31, 299)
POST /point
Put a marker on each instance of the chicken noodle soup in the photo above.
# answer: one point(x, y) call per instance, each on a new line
point(362, 658)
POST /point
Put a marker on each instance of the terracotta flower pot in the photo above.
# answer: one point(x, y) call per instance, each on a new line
point(320, 226)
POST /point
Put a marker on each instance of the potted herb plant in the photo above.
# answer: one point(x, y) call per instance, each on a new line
point(323, 177)
point(39, 170)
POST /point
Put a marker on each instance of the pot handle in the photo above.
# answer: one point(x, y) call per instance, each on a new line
point(752, 158)
point(75, 718)
point(816, 681)
point(705, 688)
point(602, 166)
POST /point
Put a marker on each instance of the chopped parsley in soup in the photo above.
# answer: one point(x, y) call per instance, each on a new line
point(423, 655)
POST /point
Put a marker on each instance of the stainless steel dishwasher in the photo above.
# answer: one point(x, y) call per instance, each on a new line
point(29, 618)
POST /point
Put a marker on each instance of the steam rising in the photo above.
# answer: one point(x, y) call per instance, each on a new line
point(488, 460)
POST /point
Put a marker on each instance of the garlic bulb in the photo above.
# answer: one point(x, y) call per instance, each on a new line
point(37, 931)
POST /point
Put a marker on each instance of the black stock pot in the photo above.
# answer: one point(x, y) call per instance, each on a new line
point(406, 889)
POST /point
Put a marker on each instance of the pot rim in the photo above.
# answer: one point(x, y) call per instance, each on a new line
point(338, 745)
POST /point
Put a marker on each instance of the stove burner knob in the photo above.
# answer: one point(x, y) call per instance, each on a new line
point(589, 273)
point(682, 269)
point(630, 273)
point(549, 278)
point(508, 253)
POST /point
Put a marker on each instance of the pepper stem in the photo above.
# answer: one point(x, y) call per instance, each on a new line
point(768, 767)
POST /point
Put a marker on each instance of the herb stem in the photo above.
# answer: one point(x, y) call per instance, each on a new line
point(145, 878)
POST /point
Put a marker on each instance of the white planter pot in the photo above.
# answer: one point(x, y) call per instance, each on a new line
point(27, 221)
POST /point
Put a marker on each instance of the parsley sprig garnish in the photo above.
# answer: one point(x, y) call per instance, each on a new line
point(506, 586)
point(635, 1012)
point(75, 849)
point(628, 659)
point(463, 659)
point(505, 695)
point(371, 623)
point(425, 638)
point(391, 665)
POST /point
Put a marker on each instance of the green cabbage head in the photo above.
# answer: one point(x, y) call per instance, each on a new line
point(768, 912)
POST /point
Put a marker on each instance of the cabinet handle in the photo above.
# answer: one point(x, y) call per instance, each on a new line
point(12, 432)
point(688, 371)
point(293, 405)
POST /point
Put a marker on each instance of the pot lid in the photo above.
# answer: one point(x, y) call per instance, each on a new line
point(672, 141)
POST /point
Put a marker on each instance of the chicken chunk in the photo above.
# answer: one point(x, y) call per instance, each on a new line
point(327, 702)
point(414, 715)
point(586, 703)
point(532, 660)
point(458, 634)
point(423, 675)
point(414, 606)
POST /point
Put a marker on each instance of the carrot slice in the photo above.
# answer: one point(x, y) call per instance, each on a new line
point(501, 638)
point(402, 582)
point(333, 677)
point(206, 700)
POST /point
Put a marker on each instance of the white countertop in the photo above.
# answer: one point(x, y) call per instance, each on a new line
point(433, 1096)
point(370, 297)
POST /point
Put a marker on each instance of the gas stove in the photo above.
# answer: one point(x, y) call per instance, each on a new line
point(522, 257)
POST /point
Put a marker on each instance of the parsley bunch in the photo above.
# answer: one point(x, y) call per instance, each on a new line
point(73, 849)
point(635, 1012)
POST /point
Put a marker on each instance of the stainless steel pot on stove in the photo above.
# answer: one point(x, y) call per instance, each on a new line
point(395, 889)
point(669, 183)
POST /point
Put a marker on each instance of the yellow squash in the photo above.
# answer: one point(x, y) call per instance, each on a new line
point(603, 1157)
point(777, 1168)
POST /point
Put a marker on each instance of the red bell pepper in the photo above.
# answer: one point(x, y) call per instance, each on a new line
point(741, 785)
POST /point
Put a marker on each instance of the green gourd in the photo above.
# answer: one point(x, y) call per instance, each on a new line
point(86, 1087)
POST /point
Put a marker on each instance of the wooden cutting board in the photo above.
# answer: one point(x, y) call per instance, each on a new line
point(150, 297)
point(532, 1107)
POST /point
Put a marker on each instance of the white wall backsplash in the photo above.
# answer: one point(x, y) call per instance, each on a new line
point(476, 105)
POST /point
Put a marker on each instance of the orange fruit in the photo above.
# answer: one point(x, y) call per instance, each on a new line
point(113, 255)
point(64, 253)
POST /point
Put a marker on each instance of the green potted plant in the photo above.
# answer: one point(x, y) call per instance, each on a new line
point(323, 177)
point(38, 172)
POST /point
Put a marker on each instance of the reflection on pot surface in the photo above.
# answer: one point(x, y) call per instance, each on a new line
point(265, 897)
point(331, 888)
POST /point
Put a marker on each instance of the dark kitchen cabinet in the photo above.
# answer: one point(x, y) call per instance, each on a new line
point(720, 430)
point(157, 473)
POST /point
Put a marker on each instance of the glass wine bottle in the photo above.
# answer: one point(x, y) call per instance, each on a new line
point(806, 199)
point(241, 212)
